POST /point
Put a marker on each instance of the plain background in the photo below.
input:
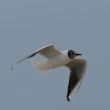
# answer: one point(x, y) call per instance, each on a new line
point(27, 25)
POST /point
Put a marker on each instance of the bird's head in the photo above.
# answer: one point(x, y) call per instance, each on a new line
point(72, 54)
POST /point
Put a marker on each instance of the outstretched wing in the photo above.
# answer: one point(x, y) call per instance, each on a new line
point(77, 68)
point(47, 51)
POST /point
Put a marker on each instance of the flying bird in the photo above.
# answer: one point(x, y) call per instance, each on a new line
point(55, 58)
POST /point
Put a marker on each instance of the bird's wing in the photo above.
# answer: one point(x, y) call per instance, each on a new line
point(77, 68)
point(47, 51)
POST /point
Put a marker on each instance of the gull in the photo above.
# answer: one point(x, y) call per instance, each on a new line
point(55, 58)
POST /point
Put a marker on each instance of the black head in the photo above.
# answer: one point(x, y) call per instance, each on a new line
point(72, 54)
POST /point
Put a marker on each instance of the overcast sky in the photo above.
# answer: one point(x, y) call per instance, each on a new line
point(27, 25)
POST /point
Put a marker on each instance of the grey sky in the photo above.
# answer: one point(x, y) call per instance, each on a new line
point(26, 25)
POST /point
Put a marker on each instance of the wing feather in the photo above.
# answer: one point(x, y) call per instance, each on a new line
point(77, 68)
point(47, 51)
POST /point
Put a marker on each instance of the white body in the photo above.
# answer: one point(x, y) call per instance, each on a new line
point(51, 63)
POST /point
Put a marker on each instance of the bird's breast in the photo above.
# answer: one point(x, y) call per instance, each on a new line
point(55, 62)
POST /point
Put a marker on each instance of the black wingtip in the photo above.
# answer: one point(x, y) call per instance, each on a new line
point(68, 99)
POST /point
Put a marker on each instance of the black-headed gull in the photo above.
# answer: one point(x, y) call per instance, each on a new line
point(56, 58)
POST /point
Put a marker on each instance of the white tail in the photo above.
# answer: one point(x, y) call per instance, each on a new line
point(40, 66)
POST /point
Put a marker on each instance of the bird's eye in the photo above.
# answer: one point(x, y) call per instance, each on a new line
point(71, 54)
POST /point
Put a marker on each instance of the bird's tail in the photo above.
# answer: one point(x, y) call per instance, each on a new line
point(40, 66)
